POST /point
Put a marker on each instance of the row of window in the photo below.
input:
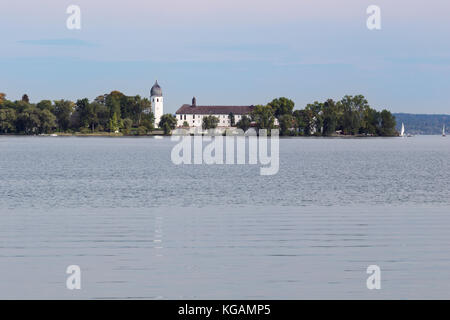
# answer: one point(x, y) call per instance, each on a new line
point(200, 116)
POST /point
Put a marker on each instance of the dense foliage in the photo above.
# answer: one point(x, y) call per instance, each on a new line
point(116, 112)
point(244, 123)
point(210, 122)
point(352, 115)
point(168, 122)
point(113, 112)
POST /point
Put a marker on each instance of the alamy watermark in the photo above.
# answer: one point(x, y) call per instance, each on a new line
point(74, 20)
point(374, 280)
point(74, 280)
point(374, 20)
point(228, 147)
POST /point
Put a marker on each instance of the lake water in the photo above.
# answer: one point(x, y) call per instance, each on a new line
point(141, 227)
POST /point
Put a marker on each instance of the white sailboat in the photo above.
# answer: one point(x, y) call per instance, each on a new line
point(443, 131)
point(402, 132)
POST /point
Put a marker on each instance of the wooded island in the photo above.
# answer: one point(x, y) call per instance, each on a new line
point(118, 114)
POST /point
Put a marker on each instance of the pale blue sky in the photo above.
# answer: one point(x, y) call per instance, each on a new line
point(230, 52)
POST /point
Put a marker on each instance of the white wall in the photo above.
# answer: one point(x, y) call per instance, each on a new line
point(157, 108)
point(196, 120)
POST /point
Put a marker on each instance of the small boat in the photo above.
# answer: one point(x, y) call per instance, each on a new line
point(402, 132)
point(53, 135)
point(443, 131)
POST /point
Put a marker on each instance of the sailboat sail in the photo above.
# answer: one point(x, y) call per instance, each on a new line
point(443, 131)
point(402, 133)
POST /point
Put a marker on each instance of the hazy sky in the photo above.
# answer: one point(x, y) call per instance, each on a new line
point(230, 52)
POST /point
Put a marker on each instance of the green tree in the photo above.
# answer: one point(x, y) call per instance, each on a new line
point(101, 99)
point(354, 110)
point(329, 116)
point(29, 121)
point(387, 123)
point(45, 104)
point(232, 119)
point(372, 121)
point(20, 106)
point(141, 106)
point(126, 106)
point(89, 114)
point(303, 120)
point(63, 111)
point(286, 122)
point(127, 124)
point(244, 123)
point(147, 120)
point(167, 122)
point(93, 115)
point(210, 122)
point(102, 113)
point(185, 124)
point(115, 123)
point(263, 117)
point(7, 120)
point(47, 121)
point(83, 109)
point(282, 106)
point(141, 131)
point(350, 121)
point(112, 101)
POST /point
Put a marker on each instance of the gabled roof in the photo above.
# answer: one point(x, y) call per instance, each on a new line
point(189, 109)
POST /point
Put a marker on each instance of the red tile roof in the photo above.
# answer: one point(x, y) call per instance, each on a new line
point(189, 109)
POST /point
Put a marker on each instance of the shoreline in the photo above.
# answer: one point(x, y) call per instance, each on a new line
point(161, 134)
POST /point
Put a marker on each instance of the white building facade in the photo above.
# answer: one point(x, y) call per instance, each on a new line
point(193, 115)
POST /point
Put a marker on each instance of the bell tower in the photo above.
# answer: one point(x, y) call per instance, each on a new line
point(157, 101)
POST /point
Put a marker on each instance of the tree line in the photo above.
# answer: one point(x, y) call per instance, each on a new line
point(112, 112)
point(352, 115)
point(116, 112)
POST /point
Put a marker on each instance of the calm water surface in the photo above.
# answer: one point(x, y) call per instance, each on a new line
point(141, 227)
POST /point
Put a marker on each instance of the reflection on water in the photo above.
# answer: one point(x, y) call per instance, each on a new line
point(140, 227)
point(158, 239)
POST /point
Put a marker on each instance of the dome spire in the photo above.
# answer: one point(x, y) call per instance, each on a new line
point(156, 90)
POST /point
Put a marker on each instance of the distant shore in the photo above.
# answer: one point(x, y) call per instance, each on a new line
point(161, 133)
point(79, 134)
